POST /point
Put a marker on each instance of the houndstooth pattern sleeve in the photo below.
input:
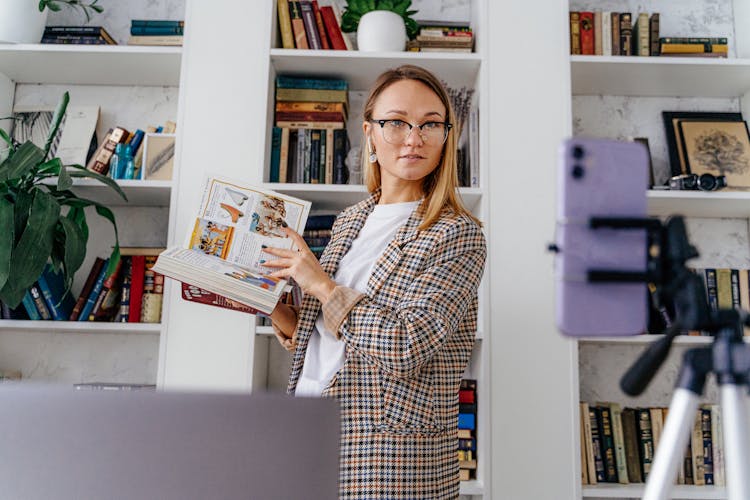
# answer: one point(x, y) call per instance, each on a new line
point(401, 339)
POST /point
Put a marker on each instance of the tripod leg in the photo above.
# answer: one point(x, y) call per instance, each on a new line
point(672, 446)
point(736, 440)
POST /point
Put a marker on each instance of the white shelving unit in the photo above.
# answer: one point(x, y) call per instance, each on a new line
point(65, 351)
point(664, 79)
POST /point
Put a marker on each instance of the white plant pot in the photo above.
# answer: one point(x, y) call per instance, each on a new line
point(21, 21)
point(381, 31)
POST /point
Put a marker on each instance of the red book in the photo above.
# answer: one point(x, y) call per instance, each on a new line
point(193, 293)
point(310, 116)
point(136, 288)
point(587, 33)
point(321, 27)
point(466, 396)
point(332, 28)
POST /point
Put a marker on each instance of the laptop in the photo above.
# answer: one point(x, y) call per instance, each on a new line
point(83, 444)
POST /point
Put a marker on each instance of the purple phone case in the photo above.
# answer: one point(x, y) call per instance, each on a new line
point(614, 183)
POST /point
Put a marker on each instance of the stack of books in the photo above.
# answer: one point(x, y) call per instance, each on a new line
point(467, 428)
point(305, 25)
point(442, 36)
point(156, 32)
point(694, 46)
point(48, 298)
point(80, 35)
point(309, 142)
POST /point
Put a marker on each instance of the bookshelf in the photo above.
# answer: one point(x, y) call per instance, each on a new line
point(630, 93)
point(133, 86)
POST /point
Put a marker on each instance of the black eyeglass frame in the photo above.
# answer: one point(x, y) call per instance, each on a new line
point(448, 127)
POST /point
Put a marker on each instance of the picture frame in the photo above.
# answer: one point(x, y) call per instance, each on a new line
point(718, 148)
point(158, 157)
point(644, 141)
point(672, 120)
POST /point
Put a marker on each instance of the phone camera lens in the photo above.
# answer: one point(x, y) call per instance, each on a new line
point(577, 171)
point(578, 152)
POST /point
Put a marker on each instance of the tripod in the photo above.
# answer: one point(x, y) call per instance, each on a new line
point(728, 357)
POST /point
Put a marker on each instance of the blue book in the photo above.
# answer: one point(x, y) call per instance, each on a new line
point(293, 82)
point(156, 22)
point(159, 129)
point(275, 154)
point(467, 421)
point(156, 30)
point(91, 300)
point(28, 304)
point(59, 300)
point(135, 142)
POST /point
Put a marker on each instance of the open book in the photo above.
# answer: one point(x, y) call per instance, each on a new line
point(223, 250)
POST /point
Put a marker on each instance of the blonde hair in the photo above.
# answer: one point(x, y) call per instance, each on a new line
point(440, 187)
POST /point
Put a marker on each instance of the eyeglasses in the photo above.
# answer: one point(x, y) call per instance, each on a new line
point(397, 131)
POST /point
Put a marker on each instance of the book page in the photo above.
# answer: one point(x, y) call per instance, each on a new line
point(235, 220)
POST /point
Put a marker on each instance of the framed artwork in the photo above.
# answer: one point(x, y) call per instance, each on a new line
point(672, 121)
point(718, 148)
point(158, 157)
point(644, 141)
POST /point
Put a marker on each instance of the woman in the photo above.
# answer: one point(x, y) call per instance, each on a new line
point(388, 320)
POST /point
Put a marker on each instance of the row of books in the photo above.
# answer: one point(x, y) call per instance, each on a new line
point(160, 32)
point(622, 34)
point(304, 24)
point(309, 142)
point(467, 429)
point(133, 293)
point(618, 445)
point(442, 36)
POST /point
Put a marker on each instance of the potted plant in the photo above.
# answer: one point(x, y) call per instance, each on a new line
point(23, 21)
point(43, 222)
point(381, 25)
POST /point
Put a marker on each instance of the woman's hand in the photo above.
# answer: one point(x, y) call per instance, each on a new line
point(301, 265)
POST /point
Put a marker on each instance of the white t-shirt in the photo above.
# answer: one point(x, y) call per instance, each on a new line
point(325, 354)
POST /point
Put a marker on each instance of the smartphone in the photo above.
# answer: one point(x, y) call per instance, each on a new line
point(604, 178)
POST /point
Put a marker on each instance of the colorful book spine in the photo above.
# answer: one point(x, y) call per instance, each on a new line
point(41, 305)
point(94, 295)
point(324, 43)
point(275, 154)
point(332, 28)
point(30, 306)
point(311, 27)
point(298, 26)
point(295, 82)
point(58, 299)
point(156, 30)
point(285, 24)
point(138, 269)
point(124, 307)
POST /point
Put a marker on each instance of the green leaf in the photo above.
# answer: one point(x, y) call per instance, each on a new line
point(6, 239)
point(26, 157)
point(33, 249)
point(5, 137)
point(56, 120)
point(80, 171)
point(21, 212)
point(115, 257)
point(64, 181)
point(42, 4)
point(75, 246)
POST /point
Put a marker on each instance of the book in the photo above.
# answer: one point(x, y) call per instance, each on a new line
point(285, 24)
point(83, 31)
point(156, 30)
point(161, 40)
point(38, 298)
point(57, 296)
point(93, 296)
point(87, 287)
point(619, 441)
point(223, 252)
point(631, 440)
point(587, 33)
point(30, 307)
point(297, 82)
point(100, 161)
point(575, 32)
point(607, 444)
point(587, 461)
point(298, 25)
point(153, 292)
point(324, 42)
point(311, 27)
point(646, 440)
point(333, 30)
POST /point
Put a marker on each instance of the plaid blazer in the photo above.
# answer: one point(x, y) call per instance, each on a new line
point(408, 342)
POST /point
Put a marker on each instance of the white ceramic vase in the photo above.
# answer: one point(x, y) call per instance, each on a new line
point(381, 31)
point(21, 21)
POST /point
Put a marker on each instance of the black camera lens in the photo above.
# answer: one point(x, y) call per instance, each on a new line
point(578, 152)
point(577, 171)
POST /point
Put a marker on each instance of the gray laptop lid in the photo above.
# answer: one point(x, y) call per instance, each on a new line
point(58, 443)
